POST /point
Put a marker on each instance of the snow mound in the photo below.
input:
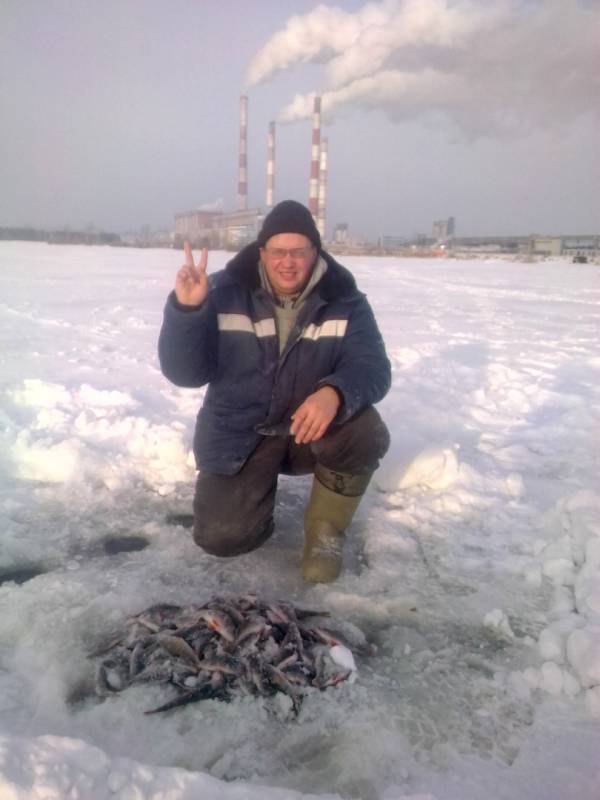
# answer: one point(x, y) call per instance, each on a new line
point(434, 467)
point(58, 767)
point(85, 433)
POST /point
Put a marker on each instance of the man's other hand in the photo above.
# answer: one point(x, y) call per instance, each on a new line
point(313, 417)
point(191, 284)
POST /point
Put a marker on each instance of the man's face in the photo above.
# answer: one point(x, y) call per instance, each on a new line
point(288, 259)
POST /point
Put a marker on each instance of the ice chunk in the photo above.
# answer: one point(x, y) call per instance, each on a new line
point(587, 582)
point(497, 621)
point(343, 657)
point(551, 646)
point(551, 678)
point(410, 465)
point(433, 468)
point(583, 652)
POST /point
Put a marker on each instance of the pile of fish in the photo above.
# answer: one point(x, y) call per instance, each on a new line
point(228, 645)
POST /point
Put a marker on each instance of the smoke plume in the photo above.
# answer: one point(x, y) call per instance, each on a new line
point(491, 68)
point(215, 205)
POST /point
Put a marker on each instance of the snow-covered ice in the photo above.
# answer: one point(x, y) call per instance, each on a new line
point(473, 564)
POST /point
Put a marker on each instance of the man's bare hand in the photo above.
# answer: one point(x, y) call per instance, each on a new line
point(313, 417)
point(191, 284)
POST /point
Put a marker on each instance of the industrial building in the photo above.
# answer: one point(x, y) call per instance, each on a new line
point(581, 246)
point(567, 246)
point(443, 231)
point(340, 234)
point(218, 230)
point(232, 230)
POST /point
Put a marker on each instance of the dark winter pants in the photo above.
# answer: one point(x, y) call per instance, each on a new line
point(233, 514)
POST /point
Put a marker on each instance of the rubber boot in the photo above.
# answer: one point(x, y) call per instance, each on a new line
point(334, 499)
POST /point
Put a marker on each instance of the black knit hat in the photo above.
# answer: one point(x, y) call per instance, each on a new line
point(289, 216)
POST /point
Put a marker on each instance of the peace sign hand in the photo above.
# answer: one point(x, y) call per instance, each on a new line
point(191, 284)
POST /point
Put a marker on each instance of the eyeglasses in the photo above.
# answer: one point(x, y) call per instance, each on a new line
point(296, 253)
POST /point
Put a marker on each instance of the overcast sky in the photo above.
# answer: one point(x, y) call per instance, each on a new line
point(120, 113)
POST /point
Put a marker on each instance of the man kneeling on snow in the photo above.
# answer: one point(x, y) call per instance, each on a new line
point(294, 361)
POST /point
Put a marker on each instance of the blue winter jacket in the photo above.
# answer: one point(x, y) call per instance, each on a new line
point(231, 343)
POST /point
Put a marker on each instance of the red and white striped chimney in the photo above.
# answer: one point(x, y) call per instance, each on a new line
point(271, 166)
point(313, 190)
point(322, 187)
point(243, 162)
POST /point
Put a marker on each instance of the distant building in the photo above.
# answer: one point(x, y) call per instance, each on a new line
point(443, 230)
point(218, 230)
point(588, 246)
point(569, 246)
point(340, 233)
point(546, 245)
point(388, 242)
point(533, 245)
point(196, 227)
point(492, 244)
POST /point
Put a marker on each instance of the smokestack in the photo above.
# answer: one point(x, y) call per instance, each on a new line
point(313, 191)
point(271, 166)
point(322, 187)
point(243, 162)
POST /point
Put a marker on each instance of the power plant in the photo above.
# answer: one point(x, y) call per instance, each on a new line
point(233, 229)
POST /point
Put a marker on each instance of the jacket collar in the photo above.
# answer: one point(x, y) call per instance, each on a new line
point(337, 282)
